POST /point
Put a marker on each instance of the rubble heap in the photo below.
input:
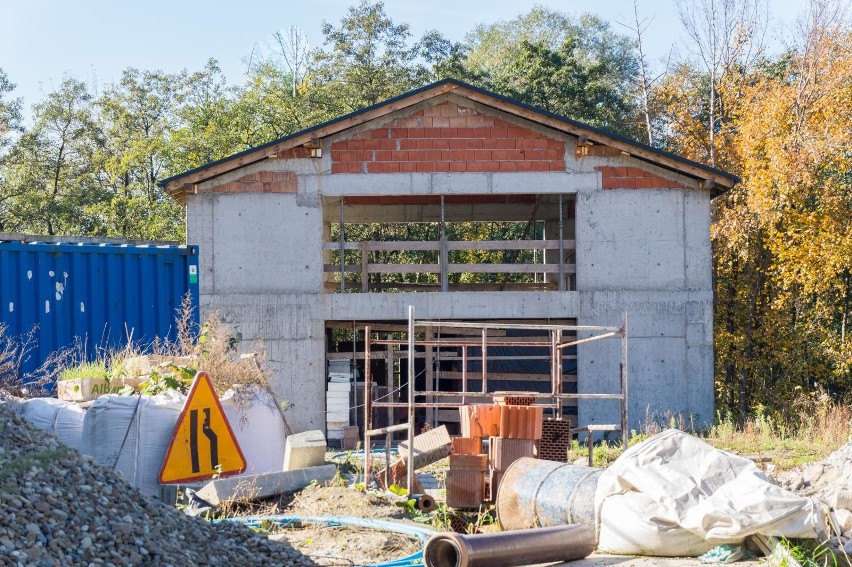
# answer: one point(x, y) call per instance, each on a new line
point(58, 508)
point(830, 480)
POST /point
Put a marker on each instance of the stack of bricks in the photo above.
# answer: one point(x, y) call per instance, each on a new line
point(555, 440)
point(466, 477)
point(519, 435)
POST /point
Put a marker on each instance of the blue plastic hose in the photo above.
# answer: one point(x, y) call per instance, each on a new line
point(421, 533)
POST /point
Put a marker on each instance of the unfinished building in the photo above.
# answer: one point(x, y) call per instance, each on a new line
point(469, 207)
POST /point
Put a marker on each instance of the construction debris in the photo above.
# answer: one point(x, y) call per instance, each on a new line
point(302, 450)
point(429, 447)
point(466, 481)
point(265, 485)
point(509, 549)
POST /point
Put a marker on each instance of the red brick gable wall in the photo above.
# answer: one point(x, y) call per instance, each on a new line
point(634, 178)
point(447, 138)
point(262, 182)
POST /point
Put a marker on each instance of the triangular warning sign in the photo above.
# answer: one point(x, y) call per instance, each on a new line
point(203, 444)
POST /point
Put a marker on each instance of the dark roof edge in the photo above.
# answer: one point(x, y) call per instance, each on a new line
point(733, 178)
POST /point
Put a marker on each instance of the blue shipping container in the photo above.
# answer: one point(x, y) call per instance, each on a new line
point(99, 294)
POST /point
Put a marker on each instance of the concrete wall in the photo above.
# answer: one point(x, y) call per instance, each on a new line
point(641, 251)
point(646, 253)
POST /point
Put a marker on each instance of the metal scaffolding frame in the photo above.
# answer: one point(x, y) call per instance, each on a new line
point(555, 396)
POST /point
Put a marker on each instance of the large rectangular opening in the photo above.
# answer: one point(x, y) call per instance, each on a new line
point(449, 243)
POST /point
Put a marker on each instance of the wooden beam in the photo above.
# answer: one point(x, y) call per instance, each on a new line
point(434, 246)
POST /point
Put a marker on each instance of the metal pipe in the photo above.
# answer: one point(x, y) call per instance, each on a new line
point(444, 261)
point(368, 398)
point(561, 248)
point(536, 493)
point(503, 326)
point(624, 385)
point(509, 549)
point(460, 342)
point(589, 339)
point(484, 360)
point(464, 374)
point(410, 468)
point(342, 236)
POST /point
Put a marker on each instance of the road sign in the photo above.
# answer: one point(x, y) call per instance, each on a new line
point(203, 444)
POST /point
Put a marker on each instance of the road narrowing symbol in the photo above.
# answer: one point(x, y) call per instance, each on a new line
point(203, 443)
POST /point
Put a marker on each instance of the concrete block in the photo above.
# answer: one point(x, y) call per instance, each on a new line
point(429, 447)
point(555, 440)
point(466, 481)
point(479, 420)
point(521, 422)
point(467, 446)
point(503, 452)
point(264, 485)
point(304, 450)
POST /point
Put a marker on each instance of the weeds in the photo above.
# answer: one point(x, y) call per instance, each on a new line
point(96, 369)
point(809, 553)
point(822, 426)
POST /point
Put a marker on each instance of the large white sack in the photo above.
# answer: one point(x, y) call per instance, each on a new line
point(690, 487)
point(62, 418)
point(259, 429)
point(630, 527)
point(148, 423)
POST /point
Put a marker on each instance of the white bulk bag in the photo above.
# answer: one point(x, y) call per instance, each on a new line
point(258, 427)
point(683, 490)
point(63, 419)
point(131, 434)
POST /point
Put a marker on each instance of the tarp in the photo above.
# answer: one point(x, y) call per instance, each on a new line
point(675, 495)
point(131, 434)
point(63, 419)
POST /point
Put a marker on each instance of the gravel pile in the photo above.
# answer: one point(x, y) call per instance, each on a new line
point(58, 508)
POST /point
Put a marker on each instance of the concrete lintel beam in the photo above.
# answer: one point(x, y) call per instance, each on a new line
point(448, 183)
point(264, 485)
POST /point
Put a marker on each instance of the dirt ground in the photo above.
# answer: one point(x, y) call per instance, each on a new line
point(340, 545)
point(346, 545)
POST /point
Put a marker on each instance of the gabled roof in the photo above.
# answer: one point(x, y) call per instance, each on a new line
point(715, 179)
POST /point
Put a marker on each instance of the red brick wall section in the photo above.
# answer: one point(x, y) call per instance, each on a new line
point(262, 182)
point(634, 178)
point(447, 138)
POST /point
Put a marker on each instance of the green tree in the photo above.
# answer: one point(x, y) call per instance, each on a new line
point(137, 117)
point(10, 111)
point(49, 179)
point(203, 114)
point(368, 58)
point(580, 67)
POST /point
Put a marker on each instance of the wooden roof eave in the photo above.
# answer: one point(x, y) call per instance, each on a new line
point(708, 178)
point(180, 185)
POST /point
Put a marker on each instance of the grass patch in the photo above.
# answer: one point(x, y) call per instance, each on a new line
point(817, 428)
point(96, 369)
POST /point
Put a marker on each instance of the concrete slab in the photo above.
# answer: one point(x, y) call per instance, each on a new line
point(303, 450)
point(429, 447)
point(263, 485)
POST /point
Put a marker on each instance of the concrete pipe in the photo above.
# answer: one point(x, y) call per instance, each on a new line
point(536, 493)
point(423, 502)
point(509, 549)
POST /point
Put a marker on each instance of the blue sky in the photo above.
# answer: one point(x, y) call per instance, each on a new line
point(94, 40)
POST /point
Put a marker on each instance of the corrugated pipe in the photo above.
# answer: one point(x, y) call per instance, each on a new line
point(509, 549)
point(421, 533)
